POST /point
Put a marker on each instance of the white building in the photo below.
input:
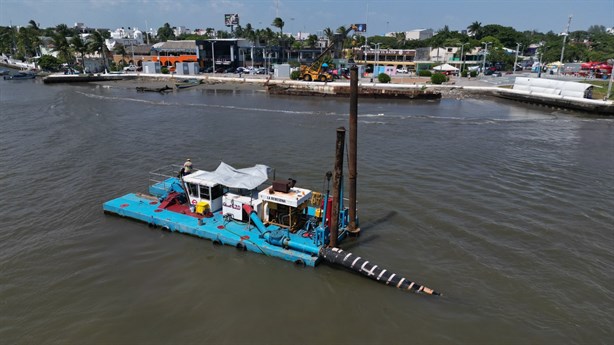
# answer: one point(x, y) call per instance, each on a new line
point(444, 54)
point(125, 37)
point(419, 34)
point(181, 30)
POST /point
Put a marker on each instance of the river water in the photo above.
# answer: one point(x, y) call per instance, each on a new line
point(507, 209)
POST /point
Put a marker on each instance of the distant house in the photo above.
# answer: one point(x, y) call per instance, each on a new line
point(419, 34)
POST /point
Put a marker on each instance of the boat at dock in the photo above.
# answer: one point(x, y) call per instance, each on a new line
point(20, 76)
point(154, 89)
point(187, 83)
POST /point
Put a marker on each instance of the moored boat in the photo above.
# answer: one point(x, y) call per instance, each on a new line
point(20, 76)
point(153, 89)
point(187, 83)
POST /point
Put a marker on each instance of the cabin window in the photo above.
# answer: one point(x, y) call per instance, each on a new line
point(217, 191)
point(192, 189)
point(204, 192)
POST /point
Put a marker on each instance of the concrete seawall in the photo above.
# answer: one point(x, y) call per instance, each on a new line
point(403, 91)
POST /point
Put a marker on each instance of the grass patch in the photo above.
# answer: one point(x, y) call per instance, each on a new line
point(601, 91)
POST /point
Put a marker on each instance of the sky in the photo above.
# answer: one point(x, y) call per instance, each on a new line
point(312, 16)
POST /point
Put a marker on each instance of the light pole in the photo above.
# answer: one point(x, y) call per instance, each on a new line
point(565, 34)
point(485, 53)
point(377, 45)
point(213, 56)
point(611, 63)
point(516, 59)
point(462, 55)
point(541, 54)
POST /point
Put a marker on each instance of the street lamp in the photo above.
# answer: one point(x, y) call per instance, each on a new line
point(485, 53)
point(377, 45)
point(462, 55)
point(516, 59)
point(541, 54)
point(213, 56)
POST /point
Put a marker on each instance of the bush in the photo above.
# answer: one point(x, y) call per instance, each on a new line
point(48, 63)
point(438, 78)
point(424, 73)
point(464, 74)
point(164, 70)
point(473, 74)
point(383, 78)
point(295, 75)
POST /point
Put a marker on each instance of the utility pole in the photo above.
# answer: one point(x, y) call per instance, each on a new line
point(611, 63)
point(462, 56)
point(485, 53)
point(565, 34)
point(516, 59)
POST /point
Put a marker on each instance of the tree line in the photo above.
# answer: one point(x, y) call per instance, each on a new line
point(594, 44)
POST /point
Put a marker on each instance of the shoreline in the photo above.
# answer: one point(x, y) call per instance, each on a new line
point(458, 88)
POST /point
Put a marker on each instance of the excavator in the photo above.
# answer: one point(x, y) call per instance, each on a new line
point(315, 71)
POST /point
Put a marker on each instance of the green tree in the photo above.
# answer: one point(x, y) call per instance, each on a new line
point(49, 63)
point(165, 32)
point(96, 44)
point(79, 47)
point(475, 29)
point(330, 34)
point(311, 41)
point(279, 23)
point(121, 50)
point(62, 46)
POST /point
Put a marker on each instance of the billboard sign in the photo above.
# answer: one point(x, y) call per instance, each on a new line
point(359, 27)
point(231, 19)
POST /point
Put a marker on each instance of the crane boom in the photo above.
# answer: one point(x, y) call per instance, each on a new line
point(314, 70)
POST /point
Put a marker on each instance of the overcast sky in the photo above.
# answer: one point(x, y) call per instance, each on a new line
point(313, 15)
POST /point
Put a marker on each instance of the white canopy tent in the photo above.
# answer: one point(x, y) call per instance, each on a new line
point(247, 178)
point(445, 68)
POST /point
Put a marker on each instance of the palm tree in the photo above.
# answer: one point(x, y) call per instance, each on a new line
point(97, 45)
point(400, 38)
point(166, 33)
point(312, 40)
point(121, 50)
point(63, 30)
point(249, 33)
point(475, 29)
point(330, 34)
point(62, 47)
point(279, 23)
point(32, 25)
point(80, 47)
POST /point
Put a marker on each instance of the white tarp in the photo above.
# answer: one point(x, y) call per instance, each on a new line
point(551, 87)
point(246, 178)
point(445, 67)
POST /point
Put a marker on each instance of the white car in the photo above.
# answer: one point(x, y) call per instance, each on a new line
point(130, 68)
point(402, 70)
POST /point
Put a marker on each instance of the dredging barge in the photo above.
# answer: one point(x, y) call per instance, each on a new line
point(233, 207)
point(246, 209)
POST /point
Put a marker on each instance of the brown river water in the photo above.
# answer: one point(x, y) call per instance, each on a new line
point(507, 209)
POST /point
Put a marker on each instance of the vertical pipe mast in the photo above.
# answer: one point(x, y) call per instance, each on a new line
point(353, 147)
point(337, 178)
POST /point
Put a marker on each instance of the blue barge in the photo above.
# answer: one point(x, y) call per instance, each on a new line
point(237, 207)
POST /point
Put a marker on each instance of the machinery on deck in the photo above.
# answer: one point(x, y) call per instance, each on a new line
point(317, 71)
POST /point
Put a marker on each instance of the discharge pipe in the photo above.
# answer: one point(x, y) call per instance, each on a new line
point(356, 263)
point(275, 238)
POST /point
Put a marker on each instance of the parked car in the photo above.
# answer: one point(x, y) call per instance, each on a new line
point(402, 70)
point(130, 68)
